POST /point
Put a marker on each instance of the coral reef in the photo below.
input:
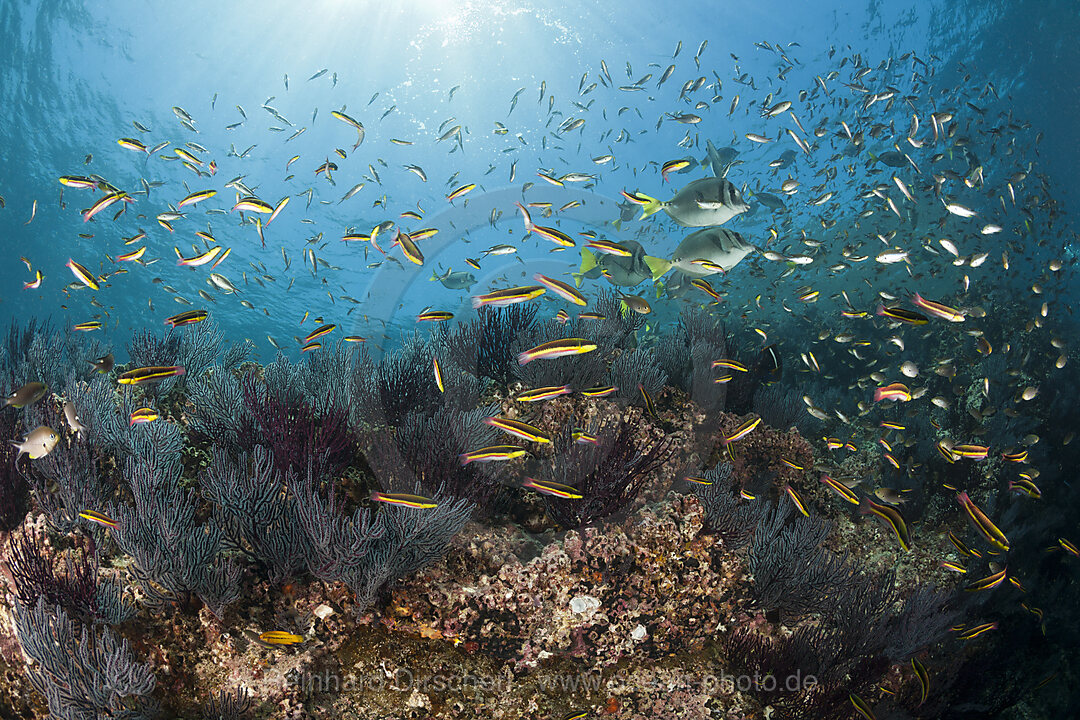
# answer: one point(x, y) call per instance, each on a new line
point(683, 568)
point(597, 595)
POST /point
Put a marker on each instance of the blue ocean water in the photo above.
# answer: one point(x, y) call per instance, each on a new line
point(77, 75)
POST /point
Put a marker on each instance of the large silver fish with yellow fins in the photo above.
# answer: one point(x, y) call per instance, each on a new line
point(709, 251)
point(705, 202)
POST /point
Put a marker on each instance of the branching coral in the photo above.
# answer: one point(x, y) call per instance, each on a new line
point(226, 705)
point(195, 347)
point(147, 349)
point(216, 410)
point(620, 323)
point(403, 381)
point(37, 354)
point(859, 637)
point(68, 481)
point(290, 522)
point(323, 378)
point(18, 342)
point(781, 408)
point(199, 347)
point(797, 674)
point(687, 354)
point(105, 414)
point(407, 542)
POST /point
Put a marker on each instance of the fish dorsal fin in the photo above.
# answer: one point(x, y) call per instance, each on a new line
point(714, 159)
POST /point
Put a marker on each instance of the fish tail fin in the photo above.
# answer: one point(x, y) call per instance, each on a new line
point(526, 217)
point(872, 156)
point(588, 261)
point(657, 266)
point(651, 206)
point(577, 278)
point(617, 224)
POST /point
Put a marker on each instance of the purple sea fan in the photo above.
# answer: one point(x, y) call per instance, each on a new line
point(402, 382)
point(34, 568)
point(793, 573)
point(579, 371)
point(296, 431)
point(367, 550)
point(608, 475)
point(730, 517)
point(485, 346)
point(255, 515)
point(427, 449)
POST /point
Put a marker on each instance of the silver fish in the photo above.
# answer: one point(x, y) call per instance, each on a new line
point(706, 202)
point(725, 248)
point(72, 417)
point(37, 444)
point(459, 280)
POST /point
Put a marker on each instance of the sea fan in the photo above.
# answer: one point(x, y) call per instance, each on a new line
point(635, 371)
point(255, 515)
point(578, 371)
point(485, 347)
point(402, 382)
point(82, 674)
point(781, 408)
point(732, 520)
point(426, 452)
point(171, 551)
point(298, 433)
point(608, 475)
point(792, 573)
point(36, 571)
point(13, 491)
